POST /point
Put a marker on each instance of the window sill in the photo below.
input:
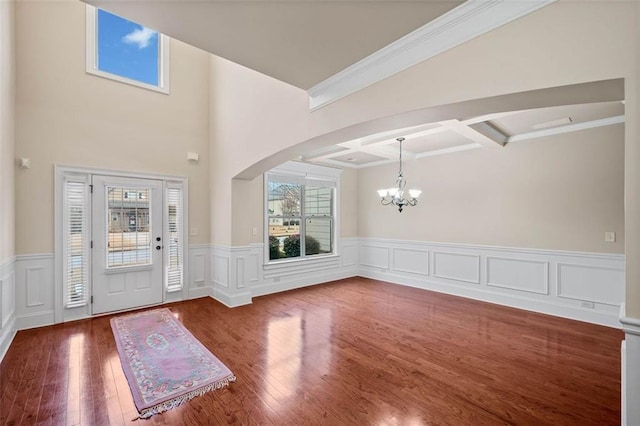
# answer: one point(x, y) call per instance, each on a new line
point(115, 77)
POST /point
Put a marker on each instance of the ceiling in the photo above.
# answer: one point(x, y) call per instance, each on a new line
point(487, 131)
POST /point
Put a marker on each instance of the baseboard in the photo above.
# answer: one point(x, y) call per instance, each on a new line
point(231, 300)
point(198, 292)
point(39, 319)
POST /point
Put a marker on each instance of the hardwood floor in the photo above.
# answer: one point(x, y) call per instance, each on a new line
point(353, 352)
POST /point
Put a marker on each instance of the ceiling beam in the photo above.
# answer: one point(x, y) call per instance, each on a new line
point(466, 22)
point(471, 134)
point(567, 129)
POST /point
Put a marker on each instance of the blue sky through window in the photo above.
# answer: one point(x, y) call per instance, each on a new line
point(127, 49)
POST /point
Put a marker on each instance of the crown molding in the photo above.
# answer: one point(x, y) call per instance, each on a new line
point(461, 24)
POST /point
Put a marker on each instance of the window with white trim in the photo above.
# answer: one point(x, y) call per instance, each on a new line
point(125, 51)
point(300, 212)
point(76, 234)
point(175, 231)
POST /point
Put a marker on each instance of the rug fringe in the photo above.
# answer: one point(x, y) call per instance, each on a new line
point(178, 401)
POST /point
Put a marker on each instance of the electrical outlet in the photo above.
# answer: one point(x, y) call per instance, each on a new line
point(254, 231)
point(587, 304)
point(610, 237)
point(193, 232)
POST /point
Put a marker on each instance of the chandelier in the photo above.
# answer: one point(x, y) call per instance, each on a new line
point(395, 196)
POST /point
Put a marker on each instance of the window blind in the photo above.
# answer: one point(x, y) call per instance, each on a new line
point(176, 239)
point(76, 234)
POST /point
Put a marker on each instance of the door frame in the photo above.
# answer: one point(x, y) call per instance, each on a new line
point(61, 173)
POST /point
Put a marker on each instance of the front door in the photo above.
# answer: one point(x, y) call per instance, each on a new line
point(127, 243)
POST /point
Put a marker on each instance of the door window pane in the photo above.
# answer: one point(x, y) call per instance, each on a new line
point(128, 227)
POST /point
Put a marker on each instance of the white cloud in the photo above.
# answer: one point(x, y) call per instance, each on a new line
point(140, 37)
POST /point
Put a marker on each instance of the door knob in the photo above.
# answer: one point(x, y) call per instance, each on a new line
point(158, 247)
point(158, 238)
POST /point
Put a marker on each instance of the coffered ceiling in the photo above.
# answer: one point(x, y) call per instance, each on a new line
point(491, 131)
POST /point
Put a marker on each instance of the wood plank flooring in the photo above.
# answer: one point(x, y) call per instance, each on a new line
point(352, 352)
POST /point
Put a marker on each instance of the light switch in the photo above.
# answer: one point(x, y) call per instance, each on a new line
point(193, 232)
point(610, 237)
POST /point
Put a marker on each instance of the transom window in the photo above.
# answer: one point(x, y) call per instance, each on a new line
point(300, 214)
point(125, 51)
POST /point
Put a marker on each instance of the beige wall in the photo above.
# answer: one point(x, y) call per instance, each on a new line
point(7, 116)
point(632, 183)
point(349, 183)
point(68, 117)
point(561, 192)
point(250, 113)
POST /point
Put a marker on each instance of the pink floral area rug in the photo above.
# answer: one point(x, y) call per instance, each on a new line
point(164, 364)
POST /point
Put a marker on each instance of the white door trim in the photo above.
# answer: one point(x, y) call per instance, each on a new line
point(60, 171)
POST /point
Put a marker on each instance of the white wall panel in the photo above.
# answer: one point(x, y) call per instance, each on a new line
point(457, 266)
point(220, 270)
point(592, 283)
point(374, 257)
point(349, 254)
point(34, 286)
point(518, 274)
point(411, 260)
point(199, 268)
point(7, 297)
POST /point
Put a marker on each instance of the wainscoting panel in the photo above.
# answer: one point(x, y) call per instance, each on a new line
point(7, 304)
point(7, 297)
point(517, 274)
point(411, 260)
point(198, 280)
point(34, 286)
point(34, 290)
point(349, 253)
point(457, 266)
point(591, 283)
point(582, 286)
point(374, 256)
point(220, 270)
